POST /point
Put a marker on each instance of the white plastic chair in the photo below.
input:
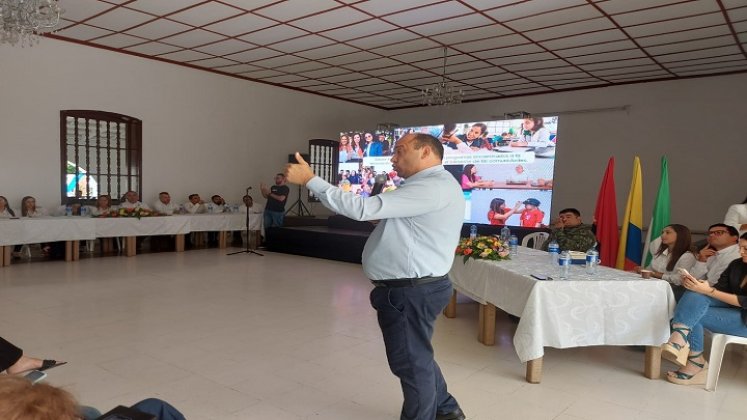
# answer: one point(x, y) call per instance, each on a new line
point(718, 346)
point(537, 238)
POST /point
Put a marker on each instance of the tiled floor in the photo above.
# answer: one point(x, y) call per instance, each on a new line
point(287, 337)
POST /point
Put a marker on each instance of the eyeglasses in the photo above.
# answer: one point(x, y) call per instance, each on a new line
point(717, 232)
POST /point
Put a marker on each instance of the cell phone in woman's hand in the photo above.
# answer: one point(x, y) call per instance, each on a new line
point(684, 272)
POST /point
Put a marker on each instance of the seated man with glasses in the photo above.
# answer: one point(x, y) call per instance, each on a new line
point(722, 249)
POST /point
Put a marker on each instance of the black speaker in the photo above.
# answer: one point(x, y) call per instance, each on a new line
point(292, 157)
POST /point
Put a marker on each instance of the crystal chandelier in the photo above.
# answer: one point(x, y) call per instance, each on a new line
point(442, 93)
point(25, 20)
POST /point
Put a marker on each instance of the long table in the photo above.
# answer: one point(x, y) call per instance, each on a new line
point(74, 229)
point(612, 307)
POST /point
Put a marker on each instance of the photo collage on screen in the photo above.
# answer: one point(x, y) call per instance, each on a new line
point(505, 167)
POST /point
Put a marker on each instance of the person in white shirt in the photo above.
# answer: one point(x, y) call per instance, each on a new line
point(5, 211)
point(249, 202)
point(721, 250)
point(132, 201)
point(673, 252)
point(195, 205)
point(29, 209)
point(539, 138)
point(217, 205)
point(519, 177)
point(164, 204)
point(737, 216)
point(103, 206)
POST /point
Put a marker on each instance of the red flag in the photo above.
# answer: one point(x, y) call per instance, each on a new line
point(605, 217)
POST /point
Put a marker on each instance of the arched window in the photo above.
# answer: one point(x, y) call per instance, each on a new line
point(100, 153)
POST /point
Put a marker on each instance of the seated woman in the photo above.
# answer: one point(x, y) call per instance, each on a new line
point(470, 179)
point(673, 252)
point(497, 215)
point(29, 209)
point(5, 211)
point(103, 206)
point(721, 308)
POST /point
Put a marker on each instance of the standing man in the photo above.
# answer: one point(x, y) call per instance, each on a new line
point(276, 197)
point(407, 257)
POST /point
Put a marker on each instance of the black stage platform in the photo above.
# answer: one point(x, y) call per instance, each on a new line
point(342, 239)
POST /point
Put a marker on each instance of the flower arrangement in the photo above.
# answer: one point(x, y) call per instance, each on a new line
point(483, 248)
point(134, 212)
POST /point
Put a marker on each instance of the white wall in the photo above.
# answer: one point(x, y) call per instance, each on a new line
point(202, 132)
point(699, 124)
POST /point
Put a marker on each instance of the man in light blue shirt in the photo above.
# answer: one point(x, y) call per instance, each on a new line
point(407, 258)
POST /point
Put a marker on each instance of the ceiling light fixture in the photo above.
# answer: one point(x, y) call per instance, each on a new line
point(442, 93)
point(25, 20)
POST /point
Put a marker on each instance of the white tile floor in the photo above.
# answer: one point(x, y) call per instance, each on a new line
point(287, 337)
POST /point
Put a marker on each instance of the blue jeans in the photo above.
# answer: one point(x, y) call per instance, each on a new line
point(700, 311)
point(406, 316)
point(273, 218)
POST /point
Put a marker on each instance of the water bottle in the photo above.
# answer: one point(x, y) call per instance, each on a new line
point(84, 211)
point(473, 232)
point(565, 265)
point(592, 260)
point(68, 210)
point(513, 245)
point(505, 234)
point(554, 249)
point(210, 208)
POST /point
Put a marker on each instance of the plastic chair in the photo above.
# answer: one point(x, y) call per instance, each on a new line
point(718, 346)
point(537, 238)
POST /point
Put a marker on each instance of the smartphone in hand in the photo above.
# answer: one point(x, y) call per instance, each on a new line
point(35, 376)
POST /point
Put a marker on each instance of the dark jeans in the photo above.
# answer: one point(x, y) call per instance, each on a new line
point(406, 316)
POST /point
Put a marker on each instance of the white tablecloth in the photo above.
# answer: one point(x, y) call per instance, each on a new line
point(49, 229)
point(612, 307)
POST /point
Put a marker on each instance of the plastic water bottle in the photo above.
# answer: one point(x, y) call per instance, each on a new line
point(473, 232)
point(592, 260)
point(84, 211)
point(210, 208)
point(513, 245)
point(505, 233)
point(68, 210)
point(565, 265)
point(554, 249)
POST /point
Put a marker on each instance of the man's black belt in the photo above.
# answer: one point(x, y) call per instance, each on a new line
point(406, 282)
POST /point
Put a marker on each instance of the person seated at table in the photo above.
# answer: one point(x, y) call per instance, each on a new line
point(531, 215)
point(471, 180)
point(722, 249)
point(20, 399)
point(519, 177)
point(164, 204)
point(195, 205)
point(673, 252)
point(498, 214)
point(538, 136)
point(570, 232)
point(719, 308)
point(217, 204)
point(29, 208)
point(13, 361)
point(5, 211)
point(132, 201)
point(103, 206)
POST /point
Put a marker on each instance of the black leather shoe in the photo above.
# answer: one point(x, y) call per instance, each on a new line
point(457, 414)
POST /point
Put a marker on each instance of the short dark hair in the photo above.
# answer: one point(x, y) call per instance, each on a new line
point(193, 195)
point(483, 127)
point(571, 210)
point(743, 237)
point(164, 192)
point(281, 174)
point(731, 229)
point(426, 140)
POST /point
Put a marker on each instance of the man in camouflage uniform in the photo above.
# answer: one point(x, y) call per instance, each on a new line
point(571, 234)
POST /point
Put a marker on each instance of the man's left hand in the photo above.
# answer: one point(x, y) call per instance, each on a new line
point(298, 173)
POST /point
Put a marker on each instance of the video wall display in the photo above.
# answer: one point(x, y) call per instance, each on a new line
point(505, 167)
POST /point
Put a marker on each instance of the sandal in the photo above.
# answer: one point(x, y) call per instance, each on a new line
point(698, 378)
point(49, 364)
point(674, 352)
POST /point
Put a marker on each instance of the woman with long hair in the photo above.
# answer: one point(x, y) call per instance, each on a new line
point(673, 253)
point(346, 149)
point(5, 211)
point(721, 308)
point(357, 148)
point(498, 214)
point(538, 138)
point(470, 179)
point(29, 209)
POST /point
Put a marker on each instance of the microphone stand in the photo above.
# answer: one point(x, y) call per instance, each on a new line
point(247, 250)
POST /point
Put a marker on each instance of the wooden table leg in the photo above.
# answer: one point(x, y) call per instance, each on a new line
point(131, 246)
point(534, 371)
point(481, 324)
point(69, 250)
point(652, 367)
point(76, 250)
point(180, 243)
point(488, 325)
point(450, 309)
point(222, 239)
point(6, 256)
